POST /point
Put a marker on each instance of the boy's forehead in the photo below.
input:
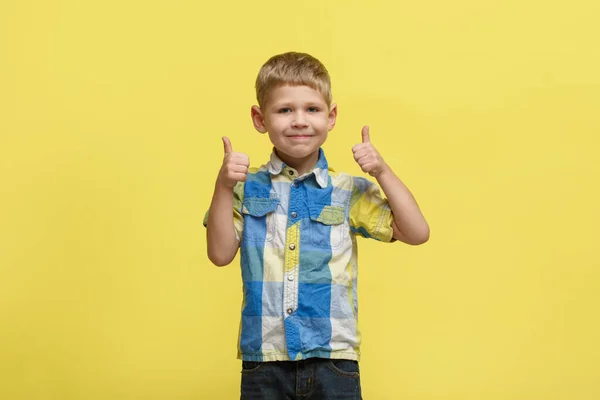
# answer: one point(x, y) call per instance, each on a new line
point(291, 92)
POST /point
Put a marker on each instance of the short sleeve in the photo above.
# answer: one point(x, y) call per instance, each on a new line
point(370, 214)
point(238, 219)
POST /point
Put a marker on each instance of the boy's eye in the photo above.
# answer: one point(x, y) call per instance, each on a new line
point(284, 110)
point(313, 109)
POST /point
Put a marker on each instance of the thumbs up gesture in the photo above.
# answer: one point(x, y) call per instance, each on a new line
point(234, 168)
point(367, 156)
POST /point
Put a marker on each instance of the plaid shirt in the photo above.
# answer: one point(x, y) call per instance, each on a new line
point(299, 259)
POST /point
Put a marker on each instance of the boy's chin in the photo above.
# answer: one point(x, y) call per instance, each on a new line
point(297, 154)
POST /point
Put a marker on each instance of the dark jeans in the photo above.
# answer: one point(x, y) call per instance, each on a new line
point(311, 379)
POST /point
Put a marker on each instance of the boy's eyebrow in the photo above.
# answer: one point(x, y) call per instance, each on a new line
point(289, 103)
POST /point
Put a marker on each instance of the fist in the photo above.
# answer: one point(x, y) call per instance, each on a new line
point(367, 156)
point(234, 168)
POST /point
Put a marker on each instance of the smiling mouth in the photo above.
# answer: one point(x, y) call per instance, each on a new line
point(300, 136)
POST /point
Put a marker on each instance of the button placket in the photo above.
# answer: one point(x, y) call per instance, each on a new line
point(292, 248)
point(290, 284)
point(291, 291)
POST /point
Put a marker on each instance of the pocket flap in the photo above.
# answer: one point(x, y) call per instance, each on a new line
point(327, 215)
point(259, 206)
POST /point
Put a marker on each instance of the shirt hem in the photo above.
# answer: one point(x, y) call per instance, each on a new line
point(311, 354)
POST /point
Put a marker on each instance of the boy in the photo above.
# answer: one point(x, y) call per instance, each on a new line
point(295, 222)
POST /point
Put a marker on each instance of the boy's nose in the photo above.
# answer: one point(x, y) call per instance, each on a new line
point(299, 120)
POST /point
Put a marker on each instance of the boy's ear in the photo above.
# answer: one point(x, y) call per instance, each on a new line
point(332, 116)
point(258, 119)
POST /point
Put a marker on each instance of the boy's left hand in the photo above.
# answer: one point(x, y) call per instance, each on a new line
point(367, 156)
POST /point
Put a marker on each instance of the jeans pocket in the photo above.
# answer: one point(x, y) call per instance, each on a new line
point(251, 366)
point(347, 368)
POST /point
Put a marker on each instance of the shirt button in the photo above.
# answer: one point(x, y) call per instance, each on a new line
point(289, 311)
point(294, 214)
point(291, 172)
point(292, 246)
point(290, 278)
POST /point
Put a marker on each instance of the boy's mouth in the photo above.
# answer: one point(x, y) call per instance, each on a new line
point(300, 136)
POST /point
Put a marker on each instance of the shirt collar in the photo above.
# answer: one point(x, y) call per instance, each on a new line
point(320, 171)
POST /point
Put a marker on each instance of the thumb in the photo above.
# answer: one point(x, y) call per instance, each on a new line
point(226, 145)
point(365, 134)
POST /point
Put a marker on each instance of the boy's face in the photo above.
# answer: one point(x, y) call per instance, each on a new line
point(297, 119)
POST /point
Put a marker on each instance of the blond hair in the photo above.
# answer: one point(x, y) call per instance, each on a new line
point(293, 69)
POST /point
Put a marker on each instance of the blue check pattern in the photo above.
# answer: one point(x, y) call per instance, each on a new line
point(299, 259)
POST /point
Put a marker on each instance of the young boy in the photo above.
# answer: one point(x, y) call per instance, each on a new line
point(295, 221)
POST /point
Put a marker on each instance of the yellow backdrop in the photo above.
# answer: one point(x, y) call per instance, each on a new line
point(111, 114)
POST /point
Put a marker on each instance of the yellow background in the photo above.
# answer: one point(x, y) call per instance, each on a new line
point(111, 114)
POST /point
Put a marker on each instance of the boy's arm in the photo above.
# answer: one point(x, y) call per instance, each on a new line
point(222, 243)
point(409, 224)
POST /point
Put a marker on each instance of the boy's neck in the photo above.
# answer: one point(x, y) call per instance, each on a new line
point(301, 165)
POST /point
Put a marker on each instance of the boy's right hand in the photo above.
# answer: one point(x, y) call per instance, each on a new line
point(234, 168)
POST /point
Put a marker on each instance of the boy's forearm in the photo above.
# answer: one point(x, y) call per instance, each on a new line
point(222, 243)
point(410, 224)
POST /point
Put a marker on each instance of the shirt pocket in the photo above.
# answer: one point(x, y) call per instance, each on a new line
point(260, 218)
point(328, 226)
